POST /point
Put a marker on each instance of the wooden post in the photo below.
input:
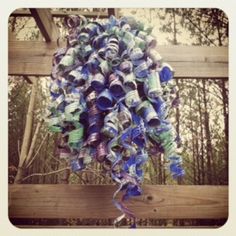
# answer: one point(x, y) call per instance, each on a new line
point(45, 23)
point(113, 11)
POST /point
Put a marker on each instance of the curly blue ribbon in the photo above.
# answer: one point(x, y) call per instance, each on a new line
point(110, 99)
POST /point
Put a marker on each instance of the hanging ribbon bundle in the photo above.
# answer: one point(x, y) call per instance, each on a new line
point(111, 93)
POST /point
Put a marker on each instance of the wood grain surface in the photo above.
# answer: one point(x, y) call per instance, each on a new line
point(35, 58)
point(93, 201)
point(46, 25)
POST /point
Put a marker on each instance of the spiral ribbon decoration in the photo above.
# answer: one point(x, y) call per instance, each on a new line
point(111, 94)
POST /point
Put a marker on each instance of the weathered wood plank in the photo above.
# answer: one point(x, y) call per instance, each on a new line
point(60, 13)
point(76, 201)
point(188, 61)
point(45, 23)
point(25, 61)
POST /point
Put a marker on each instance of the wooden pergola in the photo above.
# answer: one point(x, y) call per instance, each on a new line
point(34, 58)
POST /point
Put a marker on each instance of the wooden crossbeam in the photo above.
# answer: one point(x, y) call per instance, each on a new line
point(45, 23)
point(60, 13)
point(93, 201)
point(35, 58)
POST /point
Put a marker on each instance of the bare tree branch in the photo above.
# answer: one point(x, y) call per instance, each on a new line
point(31, 149)
point(36, 153)
point(45, 174)
point(27, 134)
point(52, 157)
point(18, 147)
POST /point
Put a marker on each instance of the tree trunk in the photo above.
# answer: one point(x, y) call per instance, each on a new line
point(216, 15)
point(27, 135)
point(193, 144)
point(208, 136)
point(198, 161)
point(226, 123)
point(21, 172)
point(202, 139)
point(177, 117)
point(154, 166)
point(33, 142)
point(174, 28)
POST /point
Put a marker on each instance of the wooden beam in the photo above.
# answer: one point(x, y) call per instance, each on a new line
point(93, 201)
point(113, 11)
point(60, 13)
point(45, 23)
point(35, 58)
point(12, 37)
point(28, 79)
point(31, 57)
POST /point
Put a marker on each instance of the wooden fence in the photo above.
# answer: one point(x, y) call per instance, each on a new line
point(91, 201)
point(75, 201)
